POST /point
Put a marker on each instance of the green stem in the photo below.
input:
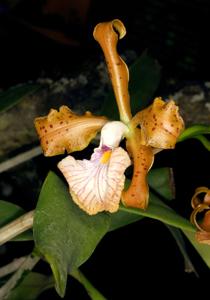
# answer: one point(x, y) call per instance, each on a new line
point(91, 290)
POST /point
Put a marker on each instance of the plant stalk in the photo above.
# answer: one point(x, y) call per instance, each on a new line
point(91, 290)
point(16, 227)
point(12, 266)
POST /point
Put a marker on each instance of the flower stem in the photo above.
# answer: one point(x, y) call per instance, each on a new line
point(91, 290)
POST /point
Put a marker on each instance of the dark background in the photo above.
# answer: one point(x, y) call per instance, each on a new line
point(174, 32)
point(142, 258)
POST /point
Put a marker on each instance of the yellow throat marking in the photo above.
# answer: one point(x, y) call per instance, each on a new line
point(105, 157)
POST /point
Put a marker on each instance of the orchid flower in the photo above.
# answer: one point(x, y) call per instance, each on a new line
point(201, 203)
point(97, 184)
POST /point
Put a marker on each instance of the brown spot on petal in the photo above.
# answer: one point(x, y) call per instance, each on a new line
point(107, 35)
point(64, 134)
point(164, 132)
point(138, 186)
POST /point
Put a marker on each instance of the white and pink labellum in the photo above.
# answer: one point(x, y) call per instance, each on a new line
point(96, 184)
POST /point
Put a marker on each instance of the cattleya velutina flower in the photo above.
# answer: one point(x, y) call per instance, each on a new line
point(97, 184)
point(201, 204)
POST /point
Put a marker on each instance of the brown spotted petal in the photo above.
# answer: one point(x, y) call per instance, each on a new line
point(63, 130)
point(160, 124)
point(137, 194)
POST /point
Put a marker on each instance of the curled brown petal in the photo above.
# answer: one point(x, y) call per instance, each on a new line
point(63, 130)
point(137, 194)
point(193, 218)
point(195, 201)
point(107, 35)
point(200, 205)
point(206, 221)
point(160, 124)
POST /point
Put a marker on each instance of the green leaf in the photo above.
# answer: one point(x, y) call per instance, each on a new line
point(193, 131)
point(203, 250)
point(144, 80)
point(64, 234)
point(32, 285)
point(15, 94)
point(160, 211)
point(196, 132)
point(176, 233)
point(8, 213)
point(23, 237)
point(145, 76)
point(161, 181)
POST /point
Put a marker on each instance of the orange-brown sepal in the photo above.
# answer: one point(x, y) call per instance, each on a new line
point(107, 35)
point(201, 204)
point(63, 130)
point(161, 124)
point(137, 195)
